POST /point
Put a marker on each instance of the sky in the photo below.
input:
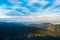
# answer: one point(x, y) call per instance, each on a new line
point(30, 11)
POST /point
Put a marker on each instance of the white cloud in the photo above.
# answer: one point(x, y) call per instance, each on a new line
point(43, 3)
point(39, 16)
point(3, 12)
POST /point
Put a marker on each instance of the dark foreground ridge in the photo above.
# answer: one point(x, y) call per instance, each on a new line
point(12, 31)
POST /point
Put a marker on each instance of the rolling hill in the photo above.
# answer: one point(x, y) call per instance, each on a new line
point(12, 31)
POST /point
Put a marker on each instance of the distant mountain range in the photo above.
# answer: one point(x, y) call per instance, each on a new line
point(14, 31)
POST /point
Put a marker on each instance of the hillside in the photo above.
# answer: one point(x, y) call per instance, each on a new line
point(15, 32)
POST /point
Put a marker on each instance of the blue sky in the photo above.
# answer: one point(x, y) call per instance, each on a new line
point(30, 10)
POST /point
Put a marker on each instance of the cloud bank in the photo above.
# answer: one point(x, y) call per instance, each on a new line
point(30, 11)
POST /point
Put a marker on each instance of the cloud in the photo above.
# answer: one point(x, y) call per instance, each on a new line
point(29, 13)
